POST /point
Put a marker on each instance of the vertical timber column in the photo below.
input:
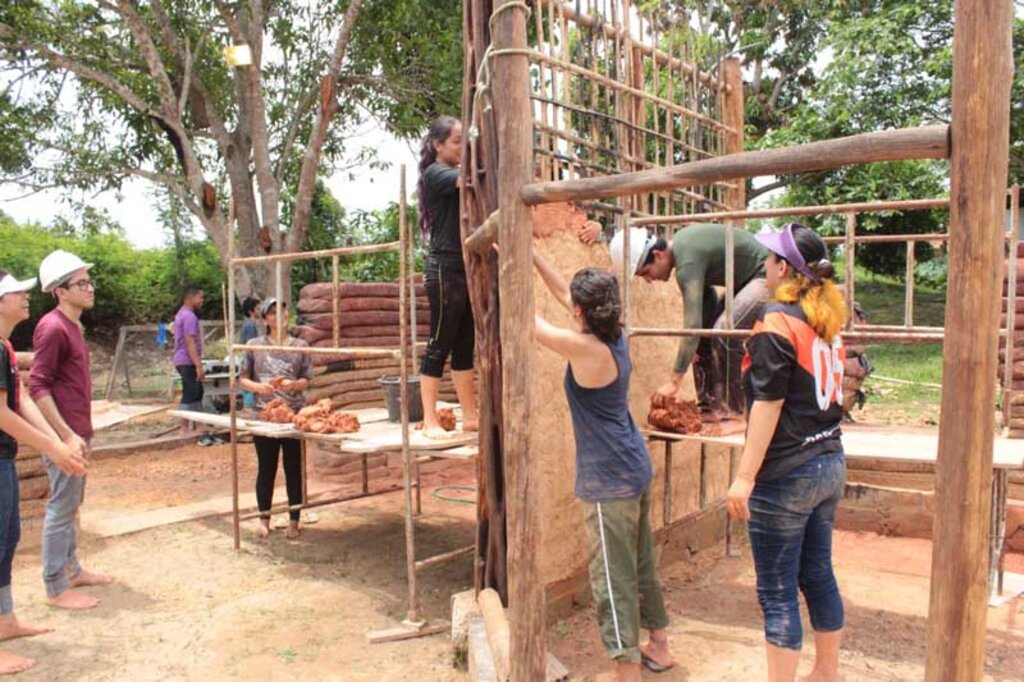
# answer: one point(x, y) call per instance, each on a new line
point(511, 88)
point(733, 117)
point(982, 69)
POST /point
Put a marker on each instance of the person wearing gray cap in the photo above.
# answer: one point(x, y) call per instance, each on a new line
point(697, 256)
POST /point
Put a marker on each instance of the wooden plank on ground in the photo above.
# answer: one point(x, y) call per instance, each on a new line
point(401, 632)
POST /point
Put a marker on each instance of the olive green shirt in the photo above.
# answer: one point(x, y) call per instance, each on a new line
point(699, 252)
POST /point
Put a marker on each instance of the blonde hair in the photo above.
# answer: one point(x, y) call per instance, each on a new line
point(822, 302)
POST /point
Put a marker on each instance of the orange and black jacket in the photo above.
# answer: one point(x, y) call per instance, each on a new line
point(786, 360)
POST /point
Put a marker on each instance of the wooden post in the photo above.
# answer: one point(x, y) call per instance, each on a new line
point(850, 250)
point(732, 110)
point(232, 368)
point(731, 104)
point(335, 303)
point(407, 464)
point(908, 297)
point(1011, 300)
point(117, 363)
point(982, 72)
point(511, 88)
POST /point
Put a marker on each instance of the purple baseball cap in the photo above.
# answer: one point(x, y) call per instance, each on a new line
point(783, 244)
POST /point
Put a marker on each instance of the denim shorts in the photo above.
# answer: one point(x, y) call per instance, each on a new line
point(791, 522)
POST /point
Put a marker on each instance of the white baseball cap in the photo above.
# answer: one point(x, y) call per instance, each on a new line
point(9, 285)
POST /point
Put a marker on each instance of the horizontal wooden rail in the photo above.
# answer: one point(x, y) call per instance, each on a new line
point(785, 212)
point(354, 353)
point(326, 253)
point(930, 142)
point(904, 336)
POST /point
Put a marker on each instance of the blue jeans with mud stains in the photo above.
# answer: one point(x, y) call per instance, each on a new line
point(791, 521)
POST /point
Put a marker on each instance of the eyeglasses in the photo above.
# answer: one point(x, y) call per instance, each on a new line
point(82, 284)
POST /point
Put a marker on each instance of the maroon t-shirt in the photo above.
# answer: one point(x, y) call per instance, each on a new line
point(61, 369)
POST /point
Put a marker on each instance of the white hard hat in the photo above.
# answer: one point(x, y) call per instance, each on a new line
point(640, 244)
point(57, 266)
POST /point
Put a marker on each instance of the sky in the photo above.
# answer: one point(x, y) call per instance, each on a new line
point(133, 208)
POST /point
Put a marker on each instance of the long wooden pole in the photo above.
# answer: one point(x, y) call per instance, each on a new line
point(982, 72)
point(1011, 299)
point(793, 211)
point(407, 463)
point(511, 88)
point(930, 142)
point(236, 523)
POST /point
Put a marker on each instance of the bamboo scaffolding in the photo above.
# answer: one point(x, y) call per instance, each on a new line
point(568, 11)
point(411, 478)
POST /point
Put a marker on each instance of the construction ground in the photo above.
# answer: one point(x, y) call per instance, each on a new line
point(186, 606)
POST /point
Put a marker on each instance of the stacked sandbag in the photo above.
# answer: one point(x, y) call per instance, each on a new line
point(354, 384)
point(1015, 396)
point(33, 482)
point(368, 315)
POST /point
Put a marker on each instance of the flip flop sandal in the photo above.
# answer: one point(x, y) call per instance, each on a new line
point(653, 665)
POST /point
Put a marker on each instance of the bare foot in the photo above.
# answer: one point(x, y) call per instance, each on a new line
point(12, 628)
point(815, 676)
point(263, 530)
point(10, 664)
point(293, 532)
point(74, 601)
point(87, 578)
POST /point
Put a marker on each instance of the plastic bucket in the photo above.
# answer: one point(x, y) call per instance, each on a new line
point(392, 388)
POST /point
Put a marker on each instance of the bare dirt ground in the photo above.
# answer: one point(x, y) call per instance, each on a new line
point(188, 607)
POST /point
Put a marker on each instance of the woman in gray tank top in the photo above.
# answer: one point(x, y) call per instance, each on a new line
point(613, 468)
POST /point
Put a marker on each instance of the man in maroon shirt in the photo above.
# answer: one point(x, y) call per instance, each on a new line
point(62, 388)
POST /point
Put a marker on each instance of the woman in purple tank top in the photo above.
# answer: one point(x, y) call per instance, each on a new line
point(613, 468)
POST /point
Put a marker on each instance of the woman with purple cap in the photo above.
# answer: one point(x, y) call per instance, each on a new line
point(792, 473)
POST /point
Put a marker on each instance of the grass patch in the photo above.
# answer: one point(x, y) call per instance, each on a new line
point(882, 299)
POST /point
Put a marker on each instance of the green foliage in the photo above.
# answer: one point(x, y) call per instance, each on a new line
point(132, 286)
point(376, 227)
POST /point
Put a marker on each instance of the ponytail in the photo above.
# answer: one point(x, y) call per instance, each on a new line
point(822, 301)
point(439, 131)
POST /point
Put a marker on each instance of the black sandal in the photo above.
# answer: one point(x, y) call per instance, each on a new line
point(653, 665)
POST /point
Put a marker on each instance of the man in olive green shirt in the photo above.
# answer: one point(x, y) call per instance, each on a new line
point(698, 258)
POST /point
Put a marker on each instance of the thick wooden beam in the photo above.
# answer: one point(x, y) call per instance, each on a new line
point(483, 237)
point(982, 72)
point(511, 97)
point(930, 142)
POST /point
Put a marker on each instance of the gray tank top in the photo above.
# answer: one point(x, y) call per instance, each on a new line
point(612, 461)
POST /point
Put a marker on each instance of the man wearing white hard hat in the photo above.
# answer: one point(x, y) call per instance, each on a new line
point(697, 255)
point(20, 422)
point(61, 385)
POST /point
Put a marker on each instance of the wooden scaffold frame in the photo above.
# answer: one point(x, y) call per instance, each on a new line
point(976, 142)
point(413, 625)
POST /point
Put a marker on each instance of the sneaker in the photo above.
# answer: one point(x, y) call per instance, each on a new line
point(205, 440)
point(217, 440)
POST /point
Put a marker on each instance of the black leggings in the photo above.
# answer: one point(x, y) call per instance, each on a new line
point(266, 453)
point(451, 320)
